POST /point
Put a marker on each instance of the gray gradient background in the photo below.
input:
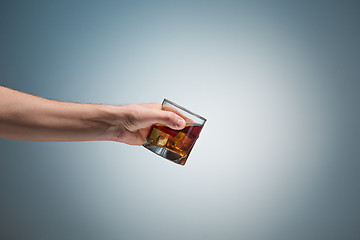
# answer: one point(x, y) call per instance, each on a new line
point(278, 82)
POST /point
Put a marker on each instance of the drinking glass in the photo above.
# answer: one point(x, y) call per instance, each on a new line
point(175, 145)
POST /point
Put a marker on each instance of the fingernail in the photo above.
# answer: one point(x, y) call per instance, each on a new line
point(180, 123)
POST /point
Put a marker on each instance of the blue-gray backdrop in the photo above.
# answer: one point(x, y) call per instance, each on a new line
point(278, 82)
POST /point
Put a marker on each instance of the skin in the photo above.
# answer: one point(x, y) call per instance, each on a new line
point(27, 117)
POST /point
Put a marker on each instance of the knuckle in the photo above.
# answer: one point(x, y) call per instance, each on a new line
point(170, 117)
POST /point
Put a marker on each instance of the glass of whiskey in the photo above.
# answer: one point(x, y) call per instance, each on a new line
point(175, 145)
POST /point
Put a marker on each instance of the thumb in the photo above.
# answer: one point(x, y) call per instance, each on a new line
point(171, 120)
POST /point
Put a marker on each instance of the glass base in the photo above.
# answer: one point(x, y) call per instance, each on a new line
point(165, 153)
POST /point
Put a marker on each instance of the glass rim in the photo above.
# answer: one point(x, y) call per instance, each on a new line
point(184, 109)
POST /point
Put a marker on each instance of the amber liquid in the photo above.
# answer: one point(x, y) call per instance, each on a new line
point(174, 145)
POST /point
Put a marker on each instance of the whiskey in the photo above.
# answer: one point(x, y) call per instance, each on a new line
point(174, 145)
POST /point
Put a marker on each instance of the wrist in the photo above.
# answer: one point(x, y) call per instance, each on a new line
point(110, 120)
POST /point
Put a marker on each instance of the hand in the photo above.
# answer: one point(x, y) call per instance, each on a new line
point(135, 121)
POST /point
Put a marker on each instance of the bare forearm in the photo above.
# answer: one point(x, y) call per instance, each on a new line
point(27, 117)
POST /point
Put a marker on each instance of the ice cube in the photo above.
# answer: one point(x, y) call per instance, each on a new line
point(155, 133)
point(158, 137)
point(163, 139)
point(175, 142)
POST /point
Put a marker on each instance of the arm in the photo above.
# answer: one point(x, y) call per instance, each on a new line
point(28, 117)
